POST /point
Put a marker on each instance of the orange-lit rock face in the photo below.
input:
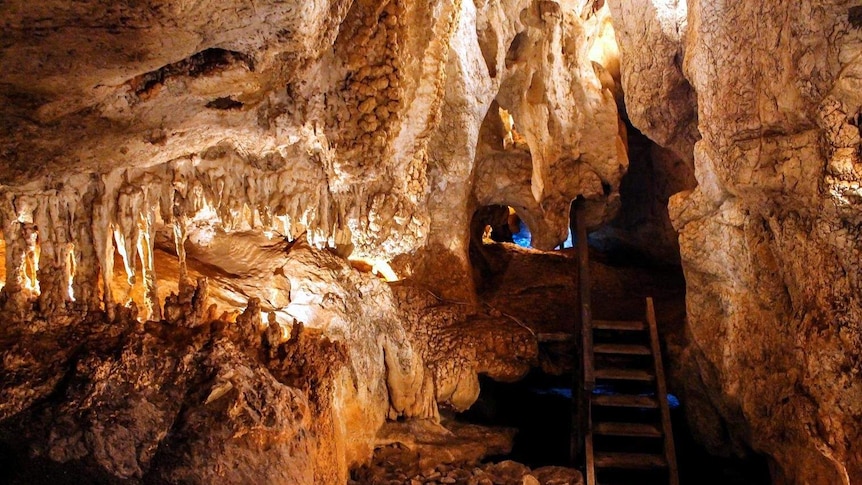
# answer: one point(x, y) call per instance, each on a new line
point(345, 121)
point(185, 164)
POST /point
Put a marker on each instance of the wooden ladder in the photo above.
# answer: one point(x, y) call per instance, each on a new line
point(628, 436)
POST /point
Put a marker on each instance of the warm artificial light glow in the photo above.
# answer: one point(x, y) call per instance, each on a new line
point(281, 319)
point(300, 312)
point(379, 267)
point(285, 225)
point(31, 263)
point(606, 52)
point(127, 263)
point(2, 261)
point(508, 128)
point(71, 267)
point(486, 235)
point(202, 229)
point(382, 268)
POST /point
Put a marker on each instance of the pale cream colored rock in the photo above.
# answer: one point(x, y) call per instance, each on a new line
point(769, 238)
point(533, 60)
point(660, 102)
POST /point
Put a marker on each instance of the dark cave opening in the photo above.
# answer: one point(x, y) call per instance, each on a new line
point(539, 408)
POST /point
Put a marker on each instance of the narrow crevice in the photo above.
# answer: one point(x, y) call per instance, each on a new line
point(224, 103)
point(204, 63)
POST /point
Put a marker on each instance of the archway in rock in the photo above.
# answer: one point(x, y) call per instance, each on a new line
point(500, 223)
point(495, 231)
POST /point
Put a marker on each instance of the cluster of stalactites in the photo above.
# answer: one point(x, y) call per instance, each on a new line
point(61, 238)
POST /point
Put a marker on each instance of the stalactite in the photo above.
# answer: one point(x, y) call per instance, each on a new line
point(103, 236)
point(50, 219)
point(129, 206)
point(124, 246)
point(16, 250)
point(16, 261)
point(86, 219)
point(219, 192)
point(145, 244)
point(69, 275)
point(85, 282)
point(323, 213)
point(166, 192)
point(30, 236)
point(180, 236)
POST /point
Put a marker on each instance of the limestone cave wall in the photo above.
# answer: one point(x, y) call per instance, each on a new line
point(198, 202)
point(770, 238)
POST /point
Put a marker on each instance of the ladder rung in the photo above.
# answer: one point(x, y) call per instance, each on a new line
point(624, 375)
point(629, 325)
point(624, 401)
point(624, 349)
point(640, 430)
point(636, 461)
point(554, 337)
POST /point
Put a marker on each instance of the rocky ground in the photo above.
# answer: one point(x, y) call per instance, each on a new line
point(398, 465)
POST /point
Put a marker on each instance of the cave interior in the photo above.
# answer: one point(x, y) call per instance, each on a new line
point(399, 242)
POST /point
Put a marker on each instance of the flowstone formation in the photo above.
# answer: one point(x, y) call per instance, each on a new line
point(196, 201)
point(770, 238)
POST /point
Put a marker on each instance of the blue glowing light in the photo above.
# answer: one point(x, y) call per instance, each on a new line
point(522, 237)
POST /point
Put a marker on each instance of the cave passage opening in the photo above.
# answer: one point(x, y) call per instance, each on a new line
point(634, 254)
point(501, 223)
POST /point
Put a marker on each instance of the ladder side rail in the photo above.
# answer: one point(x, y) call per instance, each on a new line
point(584, 284)
point(661, 389)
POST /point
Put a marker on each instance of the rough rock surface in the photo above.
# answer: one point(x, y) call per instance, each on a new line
point(458, 342)
point(446, 442)
point(770, 239)
point(153, 402)
point(194, 398)
point(398, 464)
point(659, 100)
point(291, 117)
point(147, 146)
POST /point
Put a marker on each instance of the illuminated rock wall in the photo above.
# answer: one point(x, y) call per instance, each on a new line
point(181, 185)
point(770, 238)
